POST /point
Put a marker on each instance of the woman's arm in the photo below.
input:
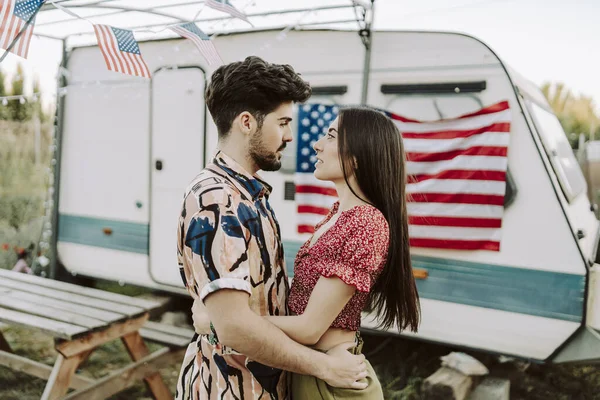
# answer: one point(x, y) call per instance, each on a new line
point(327, 300)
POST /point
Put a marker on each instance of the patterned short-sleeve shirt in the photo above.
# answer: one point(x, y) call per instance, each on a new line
point(228, 238)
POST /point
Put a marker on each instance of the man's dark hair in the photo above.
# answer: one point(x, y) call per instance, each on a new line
point(252, 85)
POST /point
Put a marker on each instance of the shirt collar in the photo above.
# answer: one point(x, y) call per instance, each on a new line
point(253, 184)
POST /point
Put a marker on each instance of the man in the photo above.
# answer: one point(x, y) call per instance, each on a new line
point(230, 251)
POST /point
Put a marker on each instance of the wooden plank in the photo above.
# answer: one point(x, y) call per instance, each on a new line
point(39, 370)
point(60, 377)
point(126, 377)
point(102, 315)
point(75, 298)
point(75, 289)
point(50, 313)
point(95, 339)
point(4, 346)
point(138, 350)
point(57, 329)
point(170, 329)
point(164, 338)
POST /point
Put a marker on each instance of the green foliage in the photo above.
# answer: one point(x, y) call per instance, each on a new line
point(577, 114)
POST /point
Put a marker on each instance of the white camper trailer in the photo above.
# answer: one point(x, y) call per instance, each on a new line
point(130, 146)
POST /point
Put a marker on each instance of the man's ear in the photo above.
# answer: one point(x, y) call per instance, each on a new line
point(246, 122)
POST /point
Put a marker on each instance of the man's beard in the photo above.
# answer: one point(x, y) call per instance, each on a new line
point(263, 158)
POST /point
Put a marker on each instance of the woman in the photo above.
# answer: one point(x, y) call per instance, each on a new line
point(358, 256)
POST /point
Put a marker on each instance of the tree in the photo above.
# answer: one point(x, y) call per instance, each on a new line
point(4, 111)
point(20, 110)
point(577, 114)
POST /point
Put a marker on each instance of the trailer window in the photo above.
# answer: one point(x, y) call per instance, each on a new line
point(559, 151)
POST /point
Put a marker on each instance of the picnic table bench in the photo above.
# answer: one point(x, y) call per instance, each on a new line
point(81, 319)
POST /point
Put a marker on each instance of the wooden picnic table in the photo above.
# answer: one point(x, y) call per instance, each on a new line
point(81, 319)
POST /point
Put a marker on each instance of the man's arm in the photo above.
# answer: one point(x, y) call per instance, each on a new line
point(327, 300)
point(238, 327)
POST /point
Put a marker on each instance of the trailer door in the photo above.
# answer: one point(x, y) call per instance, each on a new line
point(176, 157)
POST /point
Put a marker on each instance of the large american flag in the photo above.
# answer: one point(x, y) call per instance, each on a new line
point(227, 7)
point(313, 197)
point(201, 40)
point(14, 15)
point(121, 51)
point(457, 177)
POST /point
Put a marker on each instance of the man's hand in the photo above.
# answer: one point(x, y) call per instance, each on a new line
point(200, 318)
point(344, 369)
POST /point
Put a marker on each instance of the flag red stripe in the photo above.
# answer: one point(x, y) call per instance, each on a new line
point(457, 198)
point(316, 190)
point(312, 210)
point(99, 37)
point(116, 62)
point(114, 46)
point(493, 151)
point(306, 228)
point(18, 48)
point(461, 174)
point(456, 244)
point(499, 127)
point(146, 69)
point(6, 10)
point(458, 222)
point(135, 61)
point(487, 110)
point(11, 30)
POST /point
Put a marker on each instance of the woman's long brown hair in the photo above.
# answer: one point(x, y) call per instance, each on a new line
point(371, 149)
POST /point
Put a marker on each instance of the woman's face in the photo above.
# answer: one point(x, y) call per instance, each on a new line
point(328, 166)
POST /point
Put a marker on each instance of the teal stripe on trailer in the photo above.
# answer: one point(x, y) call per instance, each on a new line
point(520, 290)
point(126, 236)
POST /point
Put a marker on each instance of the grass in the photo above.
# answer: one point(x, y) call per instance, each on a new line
point(40, 347)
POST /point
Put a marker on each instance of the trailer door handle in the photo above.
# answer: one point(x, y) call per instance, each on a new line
point(158, 165)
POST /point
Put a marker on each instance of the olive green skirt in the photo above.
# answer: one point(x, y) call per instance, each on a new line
point(306, 387)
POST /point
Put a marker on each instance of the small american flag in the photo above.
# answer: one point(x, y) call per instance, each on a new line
point(14, 15)
point(314, 198)
point(121, 51)
point(456, 176)
point(227, 7)
point(201, 40)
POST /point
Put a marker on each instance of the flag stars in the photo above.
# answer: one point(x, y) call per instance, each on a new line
point(126, 41)
point(24, 9)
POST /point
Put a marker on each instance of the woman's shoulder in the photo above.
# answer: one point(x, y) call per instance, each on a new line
point(365, 216)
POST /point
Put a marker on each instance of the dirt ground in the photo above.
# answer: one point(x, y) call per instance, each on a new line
point(401, 366)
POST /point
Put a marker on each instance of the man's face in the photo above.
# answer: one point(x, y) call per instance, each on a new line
point(267, 142)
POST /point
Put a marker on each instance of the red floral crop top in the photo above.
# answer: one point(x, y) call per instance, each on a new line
point(353, 249)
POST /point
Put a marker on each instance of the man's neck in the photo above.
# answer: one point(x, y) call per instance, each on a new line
point(238, 154)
